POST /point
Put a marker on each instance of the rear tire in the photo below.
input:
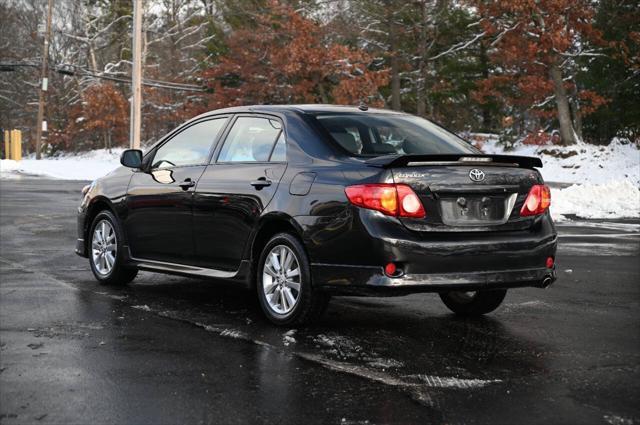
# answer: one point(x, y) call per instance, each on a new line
point(283, 282)
point(106, 251)
point(475, 303)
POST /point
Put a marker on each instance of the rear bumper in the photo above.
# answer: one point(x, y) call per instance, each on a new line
point(359, 280)
point(351, 258)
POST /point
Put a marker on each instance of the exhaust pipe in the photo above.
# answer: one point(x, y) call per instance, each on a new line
point(546, 282)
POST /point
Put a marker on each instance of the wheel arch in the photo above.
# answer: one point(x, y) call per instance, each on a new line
point(268, 226)
point(310, 306)
point(97, 204)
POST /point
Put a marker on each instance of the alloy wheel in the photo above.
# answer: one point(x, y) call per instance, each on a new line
point(281, 279)
point(104, 247)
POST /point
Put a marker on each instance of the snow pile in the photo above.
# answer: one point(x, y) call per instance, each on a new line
point(605, 179)
point(579, 163)
point(619, 198)
point(85, 166)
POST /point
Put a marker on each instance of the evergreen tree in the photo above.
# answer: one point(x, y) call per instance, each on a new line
point(615, 74)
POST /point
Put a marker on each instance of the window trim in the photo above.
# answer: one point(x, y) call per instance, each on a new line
point(223, 139)
point(273, 148)
point(179, 130)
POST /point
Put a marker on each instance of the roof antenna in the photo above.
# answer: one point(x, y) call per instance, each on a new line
point(363, 105)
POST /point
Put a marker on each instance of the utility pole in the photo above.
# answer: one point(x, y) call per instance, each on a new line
point(136, 76)
point(44, 81)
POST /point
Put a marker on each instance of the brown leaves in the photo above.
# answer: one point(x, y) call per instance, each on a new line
point(530, 36)
point(286, 58)
point(590, 101)
point(102, 115)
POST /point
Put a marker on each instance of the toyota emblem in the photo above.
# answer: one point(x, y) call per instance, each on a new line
point(476, 175)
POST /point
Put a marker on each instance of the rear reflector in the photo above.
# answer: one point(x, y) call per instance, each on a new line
point(397, 200)
point(549, 262)
point(390, 269)
point(538, 200)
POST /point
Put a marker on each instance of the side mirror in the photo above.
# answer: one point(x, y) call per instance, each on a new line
point(131, 158)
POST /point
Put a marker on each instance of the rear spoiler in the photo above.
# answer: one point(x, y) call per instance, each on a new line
point(390, 161)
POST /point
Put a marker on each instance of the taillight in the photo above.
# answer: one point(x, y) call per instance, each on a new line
point(397, 200)
point(409, 203)
point(538, 200)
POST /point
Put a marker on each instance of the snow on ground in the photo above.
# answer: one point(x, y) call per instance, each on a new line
point(85, 166)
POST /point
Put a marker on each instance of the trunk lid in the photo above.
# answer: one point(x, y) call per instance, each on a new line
point(466, 193)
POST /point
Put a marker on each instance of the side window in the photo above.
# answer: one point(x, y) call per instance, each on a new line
point(250, 140)
point(280, 151)
point(189, 147)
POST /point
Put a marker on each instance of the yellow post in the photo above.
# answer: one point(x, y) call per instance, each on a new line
point(18, 146)
point(7, 144)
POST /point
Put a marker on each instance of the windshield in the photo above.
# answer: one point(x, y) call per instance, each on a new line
point(375, 135)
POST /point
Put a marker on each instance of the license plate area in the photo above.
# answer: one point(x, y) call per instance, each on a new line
point(476, 209)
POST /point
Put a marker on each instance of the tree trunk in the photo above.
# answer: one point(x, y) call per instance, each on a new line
point(567, 132)
point(577, 115)
point(395, 82)
point(487, 124)
point(431, 108)
point(92, 52)
point(395, 63)
point(577, 118)
point(323, 93)
point(421, 106)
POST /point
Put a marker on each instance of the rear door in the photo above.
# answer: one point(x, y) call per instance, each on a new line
point(159, 221)
point(236, 188)
point(481, 196)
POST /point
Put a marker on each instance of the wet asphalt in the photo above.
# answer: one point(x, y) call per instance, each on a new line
point(170, 350)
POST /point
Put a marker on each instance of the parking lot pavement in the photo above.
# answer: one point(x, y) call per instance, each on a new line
point(176, 350)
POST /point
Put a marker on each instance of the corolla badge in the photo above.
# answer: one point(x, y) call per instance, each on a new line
point(476, 175)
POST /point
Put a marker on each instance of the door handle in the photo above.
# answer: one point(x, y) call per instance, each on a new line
point(187, 183)
point(260, 183)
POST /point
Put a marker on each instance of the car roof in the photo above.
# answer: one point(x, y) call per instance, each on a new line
point(303, 108)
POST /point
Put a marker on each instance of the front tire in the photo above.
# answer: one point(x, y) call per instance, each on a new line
point(283, 282)
point(474, 303)
point(106, 253)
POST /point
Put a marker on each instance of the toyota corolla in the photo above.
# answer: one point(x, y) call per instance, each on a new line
point(302, 202)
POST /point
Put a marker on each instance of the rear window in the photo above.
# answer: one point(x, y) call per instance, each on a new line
point(376, 135)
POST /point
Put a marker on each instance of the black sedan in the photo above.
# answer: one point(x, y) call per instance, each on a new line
point(303, 202)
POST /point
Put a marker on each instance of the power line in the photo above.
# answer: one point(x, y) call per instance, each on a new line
point(75, 71)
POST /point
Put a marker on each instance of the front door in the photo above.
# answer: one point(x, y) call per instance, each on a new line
point(235, 189)
point(159, 220)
